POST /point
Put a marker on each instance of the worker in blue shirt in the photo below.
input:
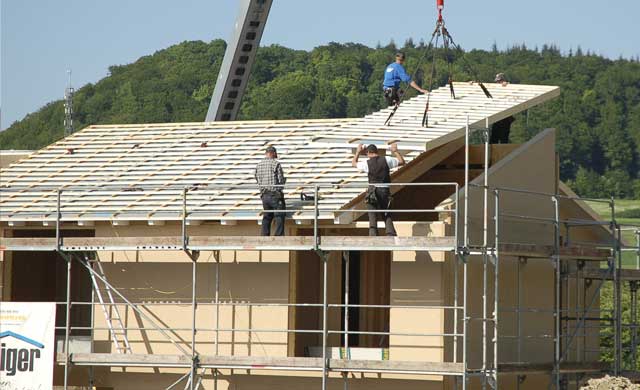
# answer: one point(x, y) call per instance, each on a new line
point(393, 76)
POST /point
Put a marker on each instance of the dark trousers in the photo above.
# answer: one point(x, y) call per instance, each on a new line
point(392, 96)
point(499, 135)
point(383, 196)
point(273, 201)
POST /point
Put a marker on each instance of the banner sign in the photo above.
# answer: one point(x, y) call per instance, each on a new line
point(27, 331)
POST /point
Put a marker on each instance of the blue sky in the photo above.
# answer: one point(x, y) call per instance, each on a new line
point(40, 39)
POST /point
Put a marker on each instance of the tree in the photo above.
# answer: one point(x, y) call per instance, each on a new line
point(288, 97)
point(597, 115)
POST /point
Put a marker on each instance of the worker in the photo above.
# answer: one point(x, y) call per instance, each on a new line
point(501, 79)
point(378, 196)
point(501, 129)
point(270, 178)
point(393, 75)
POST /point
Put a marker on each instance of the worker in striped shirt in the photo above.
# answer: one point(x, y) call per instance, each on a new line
point(270, 178)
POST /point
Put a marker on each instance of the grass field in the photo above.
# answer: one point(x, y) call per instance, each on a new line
point(629, 211)
point(624, 208)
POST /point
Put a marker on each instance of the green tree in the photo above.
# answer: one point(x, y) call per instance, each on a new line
point(597, 115)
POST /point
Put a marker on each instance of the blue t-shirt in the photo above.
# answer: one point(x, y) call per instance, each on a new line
point(394, 74)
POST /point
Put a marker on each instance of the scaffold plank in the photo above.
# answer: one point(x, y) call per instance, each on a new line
point(203, 243)
point(603, 274)
point(547, 251)
point(546, 368)
point(327, 243)
point(315, 364)
point(261, 363)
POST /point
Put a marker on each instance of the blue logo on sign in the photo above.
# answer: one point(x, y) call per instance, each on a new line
point(21, 337)
point(14, 360)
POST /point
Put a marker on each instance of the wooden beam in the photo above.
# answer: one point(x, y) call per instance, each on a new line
point(259, 363)
point(381, 243)
point(315, 364)
point(148, 155)
point(329, 243)
point(396, 366)
point(603, 274)
point(546, 368)
point(544, 251)
point(386, 243)
point(476, 154)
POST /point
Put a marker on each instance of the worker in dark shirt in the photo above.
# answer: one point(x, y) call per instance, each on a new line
point(501, 129)
point(393, 76)
point(378, 196)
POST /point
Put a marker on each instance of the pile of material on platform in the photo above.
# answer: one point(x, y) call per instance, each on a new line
point(610, 383)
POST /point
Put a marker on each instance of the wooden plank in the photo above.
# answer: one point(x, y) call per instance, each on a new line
point(476, 154)
point(125, 360)
point(602, 274)
point(366, 243)
point(396, 366)
point(256, 362)
point(315, 364)
point(382, 243)
point(546, 368)
point(260, 363)
point(544, 251)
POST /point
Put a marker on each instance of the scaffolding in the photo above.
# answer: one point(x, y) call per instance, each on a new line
point(574, 311)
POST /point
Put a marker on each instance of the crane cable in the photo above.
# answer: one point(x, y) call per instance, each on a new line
point(425, 116)
point(430, 46)
point(469, 67)
point(447, 42)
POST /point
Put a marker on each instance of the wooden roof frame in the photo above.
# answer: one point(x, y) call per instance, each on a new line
point(141, 161)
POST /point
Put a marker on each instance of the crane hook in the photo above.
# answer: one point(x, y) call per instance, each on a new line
point(440, 5)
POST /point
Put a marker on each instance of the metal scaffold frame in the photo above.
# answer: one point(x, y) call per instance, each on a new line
point(570, 324)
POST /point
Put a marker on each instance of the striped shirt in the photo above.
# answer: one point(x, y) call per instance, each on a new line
point(269, 174)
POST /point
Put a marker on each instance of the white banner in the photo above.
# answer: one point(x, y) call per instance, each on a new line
point(27, 332)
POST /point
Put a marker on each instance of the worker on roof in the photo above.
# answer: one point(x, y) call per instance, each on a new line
point(393, 76)
point(501, 129)
point(270, 178)
point(378, 194)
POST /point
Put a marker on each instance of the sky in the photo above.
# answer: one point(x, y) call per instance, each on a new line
point(41, 39)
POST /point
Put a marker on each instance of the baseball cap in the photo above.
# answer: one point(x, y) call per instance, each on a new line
point(271, 149)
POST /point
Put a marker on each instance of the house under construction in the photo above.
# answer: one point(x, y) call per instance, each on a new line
point(147, 237)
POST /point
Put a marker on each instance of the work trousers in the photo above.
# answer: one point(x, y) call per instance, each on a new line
point(499, 136)
point(392, 96)
point(383, 202)
point(273, 200)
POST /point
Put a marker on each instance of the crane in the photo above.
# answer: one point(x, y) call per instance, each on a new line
point(238, 60)
point(243, 45)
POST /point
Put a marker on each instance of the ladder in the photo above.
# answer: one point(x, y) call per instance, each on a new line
point(111, 312)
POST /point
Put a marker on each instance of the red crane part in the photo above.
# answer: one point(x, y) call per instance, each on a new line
point(440, 4)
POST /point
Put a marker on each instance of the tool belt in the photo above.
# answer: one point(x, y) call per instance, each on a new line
point(307, 197)
point(393, 95)
point(276, 193)
point(371, 197)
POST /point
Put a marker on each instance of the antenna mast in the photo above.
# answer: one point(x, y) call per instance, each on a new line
point(68, 107)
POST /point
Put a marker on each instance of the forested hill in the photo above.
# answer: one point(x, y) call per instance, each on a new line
point(598, 114)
